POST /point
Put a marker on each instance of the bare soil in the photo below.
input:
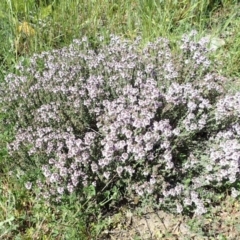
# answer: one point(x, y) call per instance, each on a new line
point(222, 222)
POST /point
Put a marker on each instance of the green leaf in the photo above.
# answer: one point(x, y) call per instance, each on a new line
point(46, 11)
point(9, 220)
point(2, 15)
point(215, 42)
point(90, 191)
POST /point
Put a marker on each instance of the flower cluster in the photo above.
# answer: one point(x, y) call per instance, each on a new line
point(139, 118)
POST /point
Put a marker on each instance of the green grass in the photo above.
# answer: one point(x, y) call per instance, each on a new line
point(127, 18)
point(25, 217)
point(54, 24)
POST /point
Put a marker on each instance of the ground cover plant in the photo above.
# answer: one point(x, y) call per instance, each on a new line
point(124, 122)
point(108, 120)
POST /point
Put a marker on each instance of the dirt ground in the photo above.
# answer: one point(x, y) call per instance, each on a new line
point(221, 223)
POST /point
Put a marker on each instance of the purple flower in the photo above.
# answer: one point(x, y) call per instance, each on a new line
point(28, 185)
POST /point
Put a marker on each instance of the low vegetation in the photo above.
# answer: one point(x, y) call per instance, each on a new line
point(126, 104)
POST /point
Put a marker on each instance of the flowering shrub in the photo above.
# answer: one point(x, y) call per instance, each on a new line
point(144, 120)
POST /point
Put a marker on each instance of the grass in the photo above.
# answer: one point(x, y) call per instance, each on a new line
point(27, 27)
